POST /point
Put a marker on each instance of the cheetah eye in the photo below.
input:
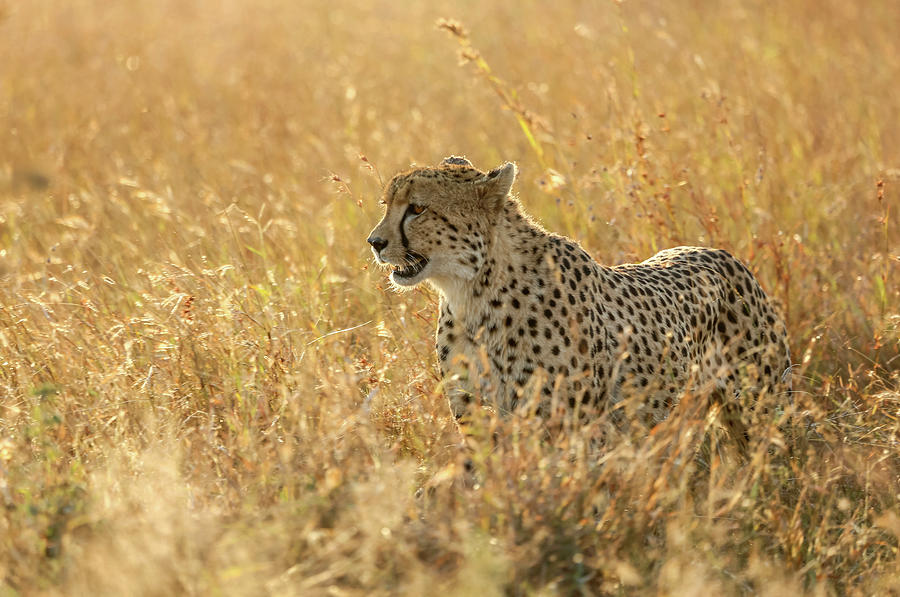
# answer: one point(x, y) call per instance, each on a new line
point(415, 209)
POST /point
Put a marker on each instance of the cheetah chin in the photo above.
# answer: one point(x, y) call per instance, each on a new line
point(412, 274)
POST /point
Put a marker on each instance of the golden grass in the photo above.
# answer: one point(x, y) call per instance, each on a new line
point(205, 389)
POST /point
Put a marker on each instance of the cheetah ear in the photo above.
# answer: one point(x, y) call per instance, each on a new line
point(456, 160)
point(494, 186)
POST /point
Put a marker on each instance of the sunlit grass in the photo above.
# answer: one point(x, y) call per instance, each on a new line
point(206, 387)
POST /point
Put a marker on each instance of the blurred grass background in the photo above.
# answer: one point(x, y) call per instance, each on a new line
point(206, 389)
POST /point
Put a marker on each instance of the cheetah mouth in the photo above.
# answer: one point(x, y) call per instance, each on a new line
point(415, 263)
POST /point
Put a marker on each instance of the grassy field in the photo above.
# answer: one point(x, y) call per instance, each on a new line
point(207, 387)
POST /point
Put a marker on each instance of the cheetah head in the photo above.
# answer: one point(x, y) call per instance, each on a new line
point(438, 221)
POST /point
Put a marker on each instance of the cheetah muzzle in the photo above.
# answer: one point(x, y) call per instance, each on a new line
point(524, 312)
point(404, 275)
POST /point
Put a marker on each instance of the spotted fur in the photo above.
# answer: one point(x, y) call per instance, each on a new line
point(527, 313)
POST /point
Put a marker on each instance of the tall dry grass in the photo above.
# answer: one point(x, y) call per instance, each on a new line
point(206, 389)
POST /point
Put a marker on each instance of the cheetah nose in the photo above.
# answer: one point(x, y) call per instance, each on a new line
point(377, 243)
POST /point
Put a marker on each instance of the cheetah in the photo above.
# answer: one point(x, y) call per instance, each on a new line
point(525, 312)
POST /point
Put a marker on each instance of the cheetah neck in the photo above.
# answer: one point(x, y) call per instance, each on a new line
point(515, 240)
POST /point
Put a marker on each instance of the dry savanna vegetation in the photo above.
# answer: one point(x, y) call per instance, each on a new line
point(207, 386)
